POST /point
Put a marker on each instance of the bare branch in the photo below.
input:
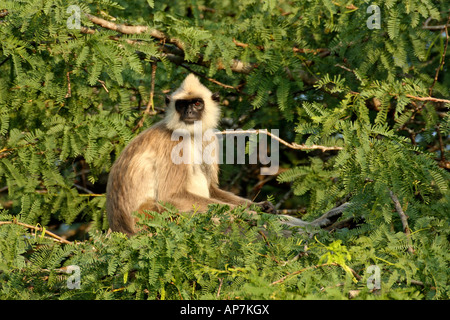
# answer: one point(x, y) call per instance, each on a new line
point(119, 28)
point(51, 234)
point(415, 98)
point(220, 286)
point(283, 199)
point(134, 30)
point(427, 99)
point(403, 218)
point(439, 27)
point(292, 145)
point(103, 85)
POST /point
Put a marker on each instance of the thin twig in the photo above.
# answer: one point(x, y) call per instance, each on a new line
point(414, 97)
point(427, 99)
point(69, 89)
point(403, 218)
point(264, 237)
point(441, 143)
point(150, 104)
point(220, 287)
point(284, 198)
point(291, 211)
point(442, 57)
point(1, 63)
point(51, 234)
point(103, 85)
point(88, 193)
point(292, 145)
point(302, 270)
point(345, 68)
point(439, 27)
point(226, 86)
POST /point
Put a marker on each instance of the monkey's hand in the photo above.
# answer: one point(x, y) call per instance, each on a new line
point(266, 206)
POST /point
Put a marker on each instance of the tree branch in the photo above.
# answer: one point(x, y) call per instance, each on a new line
point(427, 99)
point(51, 234)
point(175, 55)
point(292, 145)
point(415, 98)
point(403, 218)
point(439, 27)
point(150, 104)
point(134, 30)
point(442, 58)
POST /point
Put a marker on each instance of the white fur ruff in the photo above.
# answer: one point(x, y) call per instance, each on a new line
point(189, 89)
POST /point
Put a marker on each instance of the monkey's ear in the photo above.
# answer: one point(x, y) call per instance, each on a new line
point(167, 99)
point(215, 96)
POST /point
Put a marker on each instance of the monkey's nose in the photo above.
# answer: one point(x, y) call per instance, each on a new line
point(190, 113)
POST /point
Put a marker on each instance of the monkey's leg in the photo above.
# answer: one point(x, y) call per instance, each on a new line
point(228, 197)
point(233, 199)
point(150, 205)
point(188, 202)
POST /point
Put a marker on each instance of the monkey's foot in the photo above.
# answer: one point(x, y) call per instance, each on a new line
point(267, 207)
point(330, 217)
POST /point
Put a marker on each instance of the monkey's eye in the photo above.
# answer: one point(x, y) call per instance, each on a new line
point(197, 103)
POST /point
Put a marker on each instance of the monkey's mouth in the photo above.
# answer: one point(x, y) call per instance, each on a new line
point(189, 121)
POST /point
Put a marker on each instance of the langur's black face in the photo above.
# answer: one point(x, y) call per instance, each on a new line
point(190, 110)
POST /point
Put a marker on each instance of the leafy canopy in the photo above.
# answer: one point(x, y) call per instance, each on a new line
point(72, 98)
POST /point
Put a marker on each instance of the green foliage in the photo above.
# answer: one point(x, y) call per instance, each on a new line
point(71, 99)
point(227, 260)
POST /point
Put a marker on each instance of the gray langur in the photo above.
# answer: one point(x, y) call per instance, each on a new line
point(145, 175)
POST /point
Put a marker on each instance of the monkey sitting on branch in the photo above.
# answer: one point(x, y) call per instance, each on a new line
point(153, 169)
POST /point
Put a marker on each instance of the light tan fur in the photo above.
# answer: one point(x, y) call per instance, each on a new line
point(145, 175)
